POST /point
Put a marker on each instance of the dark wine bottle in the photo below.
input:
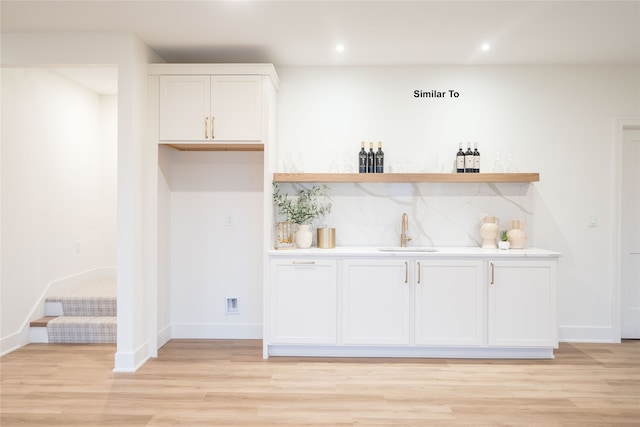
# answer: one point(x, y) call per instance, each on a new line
point(460, 159)
point(379, 159)
point(468, 159)
point(476, 158)
point(371, 159)
point(362, 159)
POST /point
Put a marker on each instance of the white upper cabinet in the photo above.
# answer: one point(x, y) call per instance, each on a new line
point(236, 108)
point(210, 108)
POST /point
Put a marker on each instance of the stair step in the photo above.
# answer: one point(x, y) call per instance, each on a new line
point(95, 298)
point(82, 329)
point(85, 314)
point(41, 322)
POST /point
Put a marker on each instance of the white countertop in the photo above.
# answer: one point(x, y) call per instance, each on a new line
point(440, 252)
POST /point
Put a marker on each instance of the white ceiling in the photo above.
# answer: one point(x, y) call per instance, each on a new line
point(288, 33)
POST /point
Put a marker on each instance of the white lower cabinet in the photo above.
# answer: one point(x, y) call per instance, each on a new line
point(449, 303)
point(522, 304)
point(376, 305)
point(413, 307)
point(303, 301)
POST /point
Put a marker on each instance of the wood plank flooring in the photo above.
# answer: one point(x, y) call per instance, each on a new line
point(227, 383)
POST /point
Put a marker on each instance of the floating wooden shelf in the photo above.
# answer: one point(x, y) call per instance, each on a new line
point(406, 177)
point(216, 147)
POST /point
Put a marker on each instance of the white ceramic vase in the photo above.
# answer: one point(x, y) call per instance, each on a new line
point(304, 237)
point(489, 232)
point(517, 237)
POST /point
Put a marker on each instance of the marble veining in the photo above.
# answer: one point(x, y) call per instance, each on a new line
point(440, 214)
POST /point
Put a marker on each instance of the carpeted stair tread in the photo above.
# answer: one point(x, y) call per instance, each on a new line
point(84, 315)
point(95, 298)
point(82, 329)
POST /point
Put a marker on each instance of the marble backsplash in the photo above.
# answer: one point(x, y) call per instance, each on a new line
point(440, 214)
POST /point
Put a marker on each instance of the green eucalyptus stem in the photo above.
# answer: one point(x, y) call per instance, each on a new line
point(305, 208)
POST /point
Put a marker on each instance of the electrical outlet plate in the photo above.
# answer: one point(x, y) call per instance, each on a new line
point(232, 306)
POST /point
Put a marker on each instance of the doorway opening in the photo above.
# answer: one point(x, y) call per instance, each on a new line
point(627, 288)
point(59, 182)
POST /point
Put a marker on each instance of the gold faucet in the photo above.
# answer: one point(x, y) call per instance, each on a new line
point(405, 226)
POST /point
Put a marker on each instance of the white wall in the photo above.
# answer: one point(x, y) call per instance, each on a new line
point(555, 120)
point(58, 187)
point(216, 204)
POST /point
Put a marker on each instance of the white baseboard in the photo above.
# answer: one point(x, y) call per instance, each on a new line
point(131, 361)
point(216, 330)
point(587, 334)
point(75, 280)
point(10, 343)
point(164, 335)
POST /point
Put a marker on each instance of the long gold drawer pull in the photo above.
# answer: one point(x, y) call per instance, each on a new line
point(213, 135)
point(419, 272)
point(206, 127)
point(493, 270)
point(406, 271)
point(304, 262)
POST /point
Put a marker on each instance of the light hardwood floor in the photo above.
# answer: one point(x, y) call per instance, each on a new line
point(227, 383)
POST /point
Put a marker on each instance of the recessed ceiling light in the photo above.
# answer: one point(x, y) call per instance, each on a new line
point(486, 47)
point(339, 48)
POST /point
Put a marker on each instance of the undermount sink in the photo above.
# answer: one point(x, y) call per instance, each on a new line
point(407, 249)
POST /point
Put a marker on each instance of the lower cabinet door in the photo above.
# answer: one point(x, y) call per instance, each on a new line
point(449, 303)
point(522, 304)
point(376, 306)
point(303, 301)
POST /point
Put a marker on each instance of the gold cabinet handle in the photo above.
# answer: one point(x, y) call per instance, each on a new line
point(492, 273)
point(406, 271)
point(304, 262)
point(206, 127)
point(212, 127)
point(419, 273)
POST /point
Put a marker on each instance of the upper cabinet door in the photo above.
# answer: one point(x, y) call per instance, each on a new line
point(236, 108)
point(195, 108)
point(185, 108)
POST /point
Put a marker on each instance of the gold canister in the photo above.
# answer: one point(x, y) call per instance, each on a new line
point(326, 238)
